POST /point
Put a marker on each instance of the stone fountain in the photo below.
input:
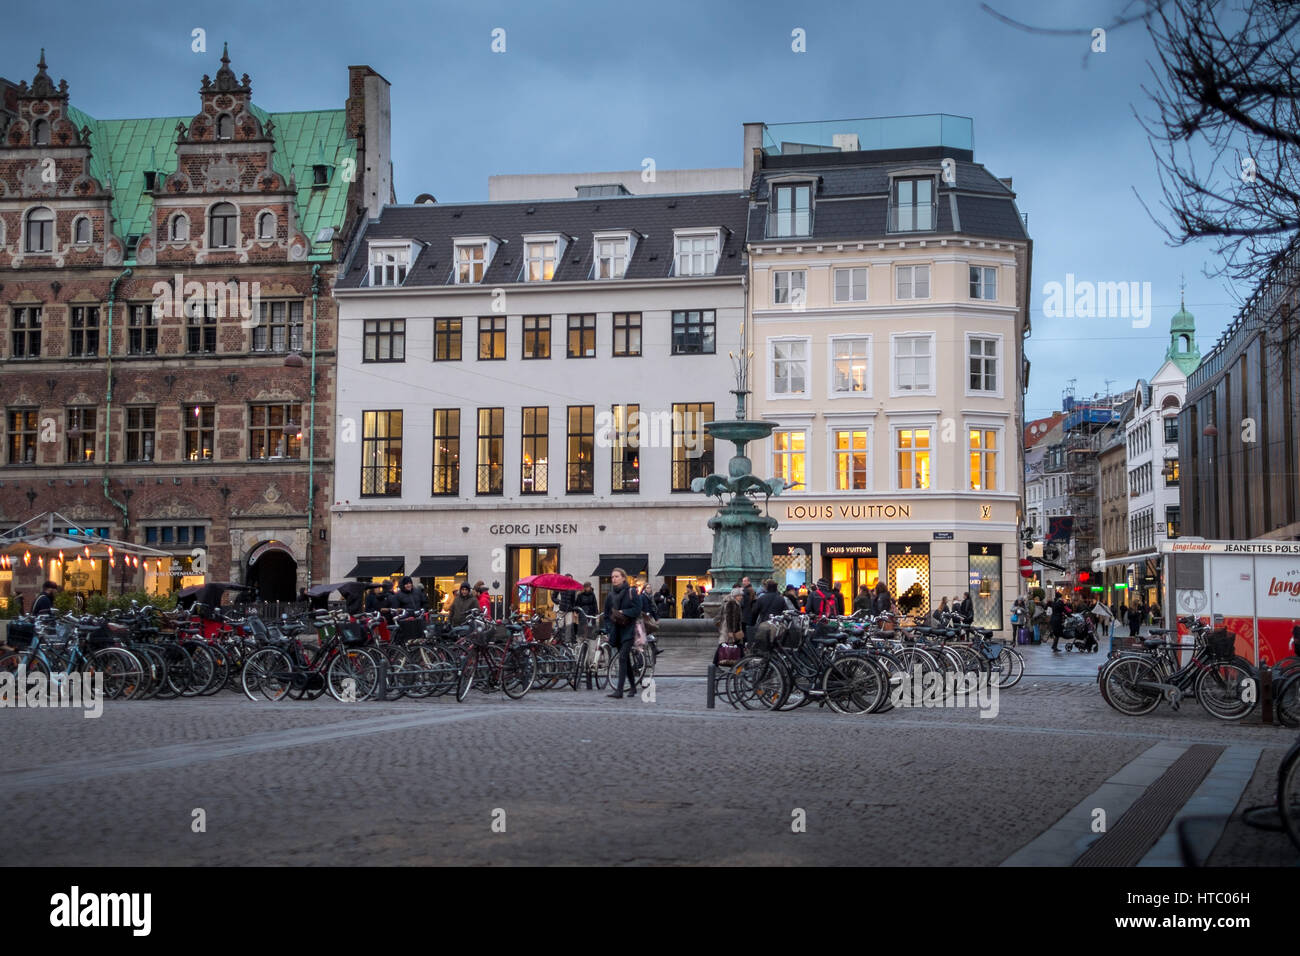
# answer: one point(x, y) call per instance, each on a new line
point(742, 534)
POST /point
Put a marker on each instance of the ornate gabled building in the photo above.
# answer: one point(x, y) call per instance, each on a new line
point(167, 334)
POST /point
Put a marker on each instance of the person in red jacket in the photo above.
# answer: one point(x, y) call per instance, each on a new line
point(484, 599)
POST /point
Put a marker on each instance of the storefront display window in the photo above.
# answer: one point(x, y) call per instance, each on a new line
point(792, 564)
point(907, 570)
point(522, 563)
point(985, 567)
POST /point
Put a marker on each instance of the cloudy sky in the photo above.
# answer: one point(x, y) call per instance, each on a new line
point(600, 85)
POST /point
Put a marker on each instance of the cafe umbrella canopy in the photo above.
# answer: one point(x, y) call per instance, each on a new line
point(36, 543)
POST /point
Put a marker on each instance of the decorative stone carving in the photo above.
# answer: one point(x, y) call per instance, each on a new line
point(222, 175)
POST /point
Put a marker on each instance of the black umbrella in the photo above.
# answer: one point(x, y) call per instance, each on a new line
point(346, 588)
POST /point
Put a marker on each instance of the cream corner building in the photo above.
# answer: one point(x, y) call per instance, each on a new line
point(888, 293)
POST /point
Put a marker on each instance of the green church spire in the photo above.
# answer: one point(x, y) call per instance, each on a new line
point(1183, 351)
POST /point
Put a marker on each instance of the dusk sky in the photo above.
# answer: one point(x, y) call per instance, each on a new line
point(586, 86)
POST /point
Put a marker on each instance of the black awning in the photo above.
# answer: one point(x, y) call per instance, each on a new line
point(631, 563)
point(686, 565)
point(380, 567)
point(441, 565)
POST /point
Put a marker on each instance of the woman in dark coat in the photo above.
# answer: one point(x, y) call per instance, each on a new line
point(622, 607)
point(863, 601)
point(882, 600)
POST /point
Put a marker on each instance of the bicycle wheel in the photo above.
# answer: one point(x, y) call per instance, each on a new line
point(267, 672)
point(1286, 700)
point(603, 659)
point(359, 668)
point(11, 662)
point(465, 679)
point(1288, 794)
point(758, 683)
point(1222, 689)
point(579, 665)
point(853, 684)
point(202, 670)
point(1119, 687)
point(1011, 667)
point(122, 672)
point(157, 664)
point(518, 672)
point(221, 670)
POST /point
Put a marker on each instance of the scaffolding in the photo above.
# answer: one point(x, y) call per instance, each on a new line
point(1086, 422)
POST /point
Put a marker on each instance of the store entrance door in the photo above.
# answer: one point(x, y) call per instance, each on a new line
point(849, 574)
point(523, 562)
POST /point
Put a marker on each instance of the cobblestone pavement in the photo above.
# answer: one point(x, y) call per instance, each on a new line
point(580, 778)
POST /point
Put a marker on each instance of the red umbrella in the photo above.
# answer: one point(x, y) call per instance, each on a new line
point(552, 582)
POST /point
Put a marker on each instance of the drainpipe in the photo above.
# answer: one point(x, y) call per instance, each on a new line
point(108, 401)
point(311, 433)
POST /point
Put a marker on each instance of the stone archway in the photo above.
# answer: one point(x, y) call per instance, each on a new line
point(273, 570)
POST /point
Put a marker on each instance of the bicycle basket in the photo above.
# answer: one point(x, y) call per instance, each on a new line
point(792, 637)
point(408, 630)
point(1221, 644)
point(499, 634)
point(21, 633)
point(352, 634)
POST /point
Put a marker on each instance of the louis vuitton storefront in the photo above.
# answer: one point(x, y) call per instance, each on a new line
point(923, 550)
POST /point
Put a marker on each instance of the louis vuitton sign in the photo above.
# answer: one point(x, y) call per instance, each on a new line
point(846, 512)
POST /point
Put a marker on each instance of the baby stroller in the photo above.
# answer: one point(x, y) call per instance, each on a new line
point(1080, 634)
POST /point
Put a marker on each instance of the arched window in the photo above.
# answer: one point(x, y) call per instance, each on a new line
point(222, 226)
point(1184, 343)
point(180, 229)
point(225, 126)
point(40, 230)
point(41, 133)
point(81, 230)
point(266, 226)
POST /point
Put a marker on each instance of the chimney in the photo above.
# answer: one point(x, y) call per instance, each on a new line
point(752, 153)
point(369, 120)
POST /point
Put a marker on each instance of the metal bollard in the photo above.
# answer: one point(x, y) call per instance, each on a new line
point(381, 685)
point(713, 683)
point(1266, 694)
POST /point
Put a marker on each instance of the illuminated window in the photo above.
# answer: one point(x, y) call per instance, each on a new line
point(849, 446)
point(534, 459)
point(850, 360)
point(983, 459)
point(912, 452)
point(789, 457)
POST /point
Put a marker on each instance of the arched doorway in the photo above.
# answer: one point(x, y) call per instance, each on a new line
point(273, 571)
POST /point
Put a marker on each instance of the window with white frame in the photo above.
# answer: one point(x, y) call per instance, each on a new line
point(696, 254)
point(40, 230)
point(983, 282)
point(912, 458)
point(851, 285)
point(913, 363)
point(789, 366)
point(850, 448)
point(611, 257)
point(539, 259)
point(266, 225)
point(851, 365)
point(983, 449)
point(389, 264)
point(789, 286)
point(912, 282)
point(471, 262)
point(81, 231)
point(790, 457)
point(982, 363)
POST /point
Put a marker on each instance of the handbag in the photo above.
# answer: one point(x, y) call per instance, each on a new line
point(728, 653)
point(648, 623)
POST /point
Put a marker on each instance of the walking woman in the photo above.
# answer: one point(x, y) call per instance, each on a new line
point(622, 607)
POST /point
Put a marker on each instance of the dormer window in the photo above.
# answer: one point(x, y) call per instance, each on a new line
point(225, 126)
point(613, 252)
point(41, 133)
point(696, 252)
point(911, 204)
point(472, 258)
point(541, 254)
point(320, 175)
point(389, 263)
point(791, 210)
point(150, 178)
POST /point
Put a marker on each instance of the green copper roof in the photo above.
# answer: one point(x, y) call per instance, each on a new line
point(122, 151)
point(1183, 350)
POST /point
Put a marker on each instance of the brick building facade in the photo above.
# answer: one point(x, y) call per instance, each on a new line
point(165, 309)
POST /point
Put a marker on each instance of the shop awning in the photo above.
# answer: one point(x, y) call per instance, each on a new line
point(686, 565)
point(441, 565)
point(380, 567)
point(631, 563)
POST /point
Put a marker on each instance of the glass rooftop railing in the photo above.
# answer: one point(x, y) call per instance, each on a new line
point(881, 132)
